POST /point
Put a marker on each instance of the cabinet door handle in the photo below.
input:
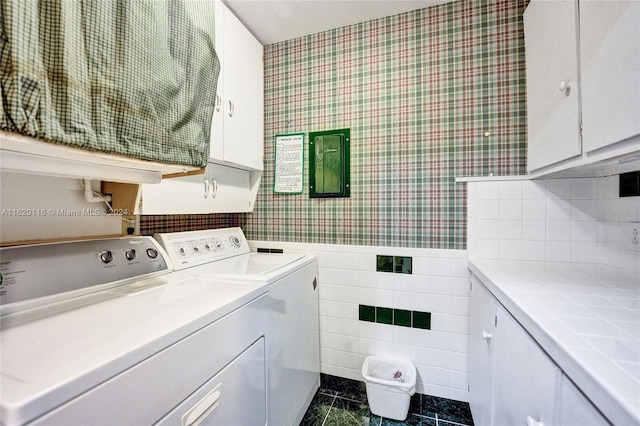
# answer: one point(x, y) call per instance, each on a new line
point(207, 188)
point(532, 422)
point(565, 86)
point(487, 336)
point(203, 408)
point(214, 188)
point(231, 108)
point(218, 102)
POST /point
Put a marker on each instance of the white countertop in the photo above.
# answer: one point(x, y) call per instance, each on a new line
point(586, 317)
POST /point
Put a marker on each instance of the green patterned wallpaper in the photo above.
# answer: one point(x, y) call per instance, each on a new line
point(429, 96)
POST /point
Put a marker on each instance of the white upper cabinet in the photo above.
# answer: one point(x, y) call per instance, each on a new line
point(552, 64)
point(583, 86)
point(221, 189)
point(238, 122)
point(232, 178)
point(216, 146)
point(610, 73)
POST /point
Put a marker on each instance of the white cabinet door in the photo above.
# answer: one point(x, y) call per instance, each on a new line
point(610, 67)
point(238, 121)
point(481, 355)
point(552, 82)
point(216, 147)
point(576, 409)
point(526, 380)
point(221, 189)
point(243, 95)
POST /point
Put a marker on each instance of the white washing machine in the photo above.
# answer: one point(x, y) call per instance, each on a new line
point(102, 332)
point(293, 339)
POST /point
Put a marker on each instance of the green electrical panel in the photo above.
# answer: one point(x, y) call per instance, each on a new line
point(329, 164)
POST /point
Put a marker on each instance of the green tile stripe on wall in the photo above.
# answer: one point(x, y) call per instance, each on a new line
point(384, 315)
point(396, 264)
point(418, 91)
point(402, 317)
point(391, 316)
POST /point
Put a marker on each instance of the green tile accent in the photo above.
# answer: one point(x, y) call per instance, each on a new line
point(367, 313)
point(422, 320)
point(384, 263)
point(384, 315)
point(402, 317)
point(399, 317)
point(402, 264)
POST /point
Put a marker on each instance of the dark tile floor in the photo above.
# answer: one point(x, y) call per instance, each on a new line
point(343, 402)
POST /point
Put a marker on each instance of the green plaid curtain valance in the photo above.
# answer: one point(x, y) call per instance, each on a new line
point(129, 77)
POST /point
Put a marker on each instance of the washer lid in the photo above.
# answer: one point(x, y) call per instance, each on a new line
point(254, 264)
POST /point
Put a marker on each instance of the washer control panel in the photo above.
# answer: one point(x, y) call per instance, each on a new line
point(73, 267)
point(193, 248)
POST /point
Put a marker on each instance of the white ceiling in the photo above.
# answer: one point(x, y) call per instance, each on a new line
point(273, 21)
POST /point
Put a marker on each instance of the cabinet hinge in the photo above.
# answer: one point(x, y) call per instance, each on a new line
point(495, 322)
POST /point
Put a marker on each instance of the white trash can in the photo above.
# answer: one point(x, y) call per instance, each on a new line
point(390, 384)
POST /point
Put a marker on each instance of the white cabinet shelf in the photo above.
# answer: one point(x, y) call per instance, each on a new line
point(23, 154)
point(583, 87)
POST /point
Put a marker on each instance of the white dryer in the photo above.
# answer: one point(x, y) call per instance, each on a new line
point(293, 338)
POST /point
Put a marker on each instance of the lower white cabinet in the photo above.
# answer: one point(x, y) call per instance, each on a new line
point(576, 409)
point(481, 344)
point(526, 380)
point(512, 381)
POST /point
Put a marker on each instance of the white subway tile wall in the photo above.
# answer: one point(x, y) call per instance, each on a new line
point(438, 284)
point(580, 220)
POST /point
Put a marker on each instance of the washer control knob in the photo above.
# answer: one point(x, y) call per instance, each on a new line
point(235, 241)
point(130, 254)
point(182, 251)
point(106, 256)
point(218, 244)
point(152, 253)
point(196, 249)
